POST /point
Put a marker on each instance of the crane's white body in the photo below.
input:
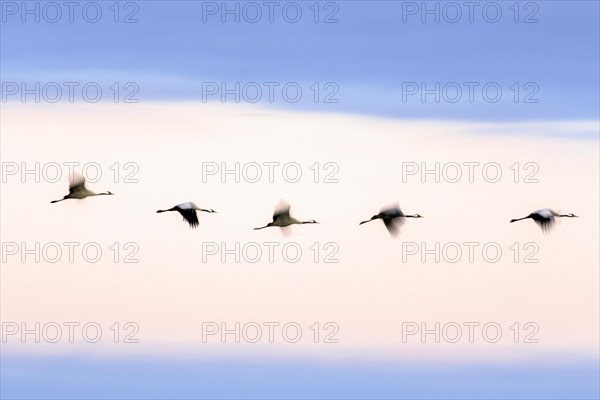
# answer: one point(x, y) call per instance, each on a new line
point(188, 206)
point(545, 213)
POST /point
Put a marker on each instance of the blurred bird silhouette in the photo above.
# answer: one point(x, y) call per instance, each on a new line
point(545, 218)
point(188, 212)
point(77, 190)
point(393, 218)
point(282, 218)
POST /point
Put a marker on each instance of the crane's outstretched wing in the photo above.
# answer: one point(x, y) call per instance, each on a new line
point(76, 184)
point(393, 225)
point(544, 218)
point(282, 211)
point(547, 224)
point(190, 216)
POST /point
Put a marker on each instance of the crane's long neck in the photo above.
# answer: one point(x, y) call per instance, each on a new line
point(519, 219)
point(566, 215)
point(412, 216)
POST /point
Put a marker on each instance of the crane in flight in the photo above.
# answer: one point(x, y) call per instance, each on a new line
point(545, 218)
point(282, 218)
point(393, 218)
point(188, 212)
point(77, 190)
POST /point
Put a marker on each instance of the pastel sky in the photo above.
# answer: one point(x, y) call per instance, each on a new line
point(364, 142)
point(369, 293)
